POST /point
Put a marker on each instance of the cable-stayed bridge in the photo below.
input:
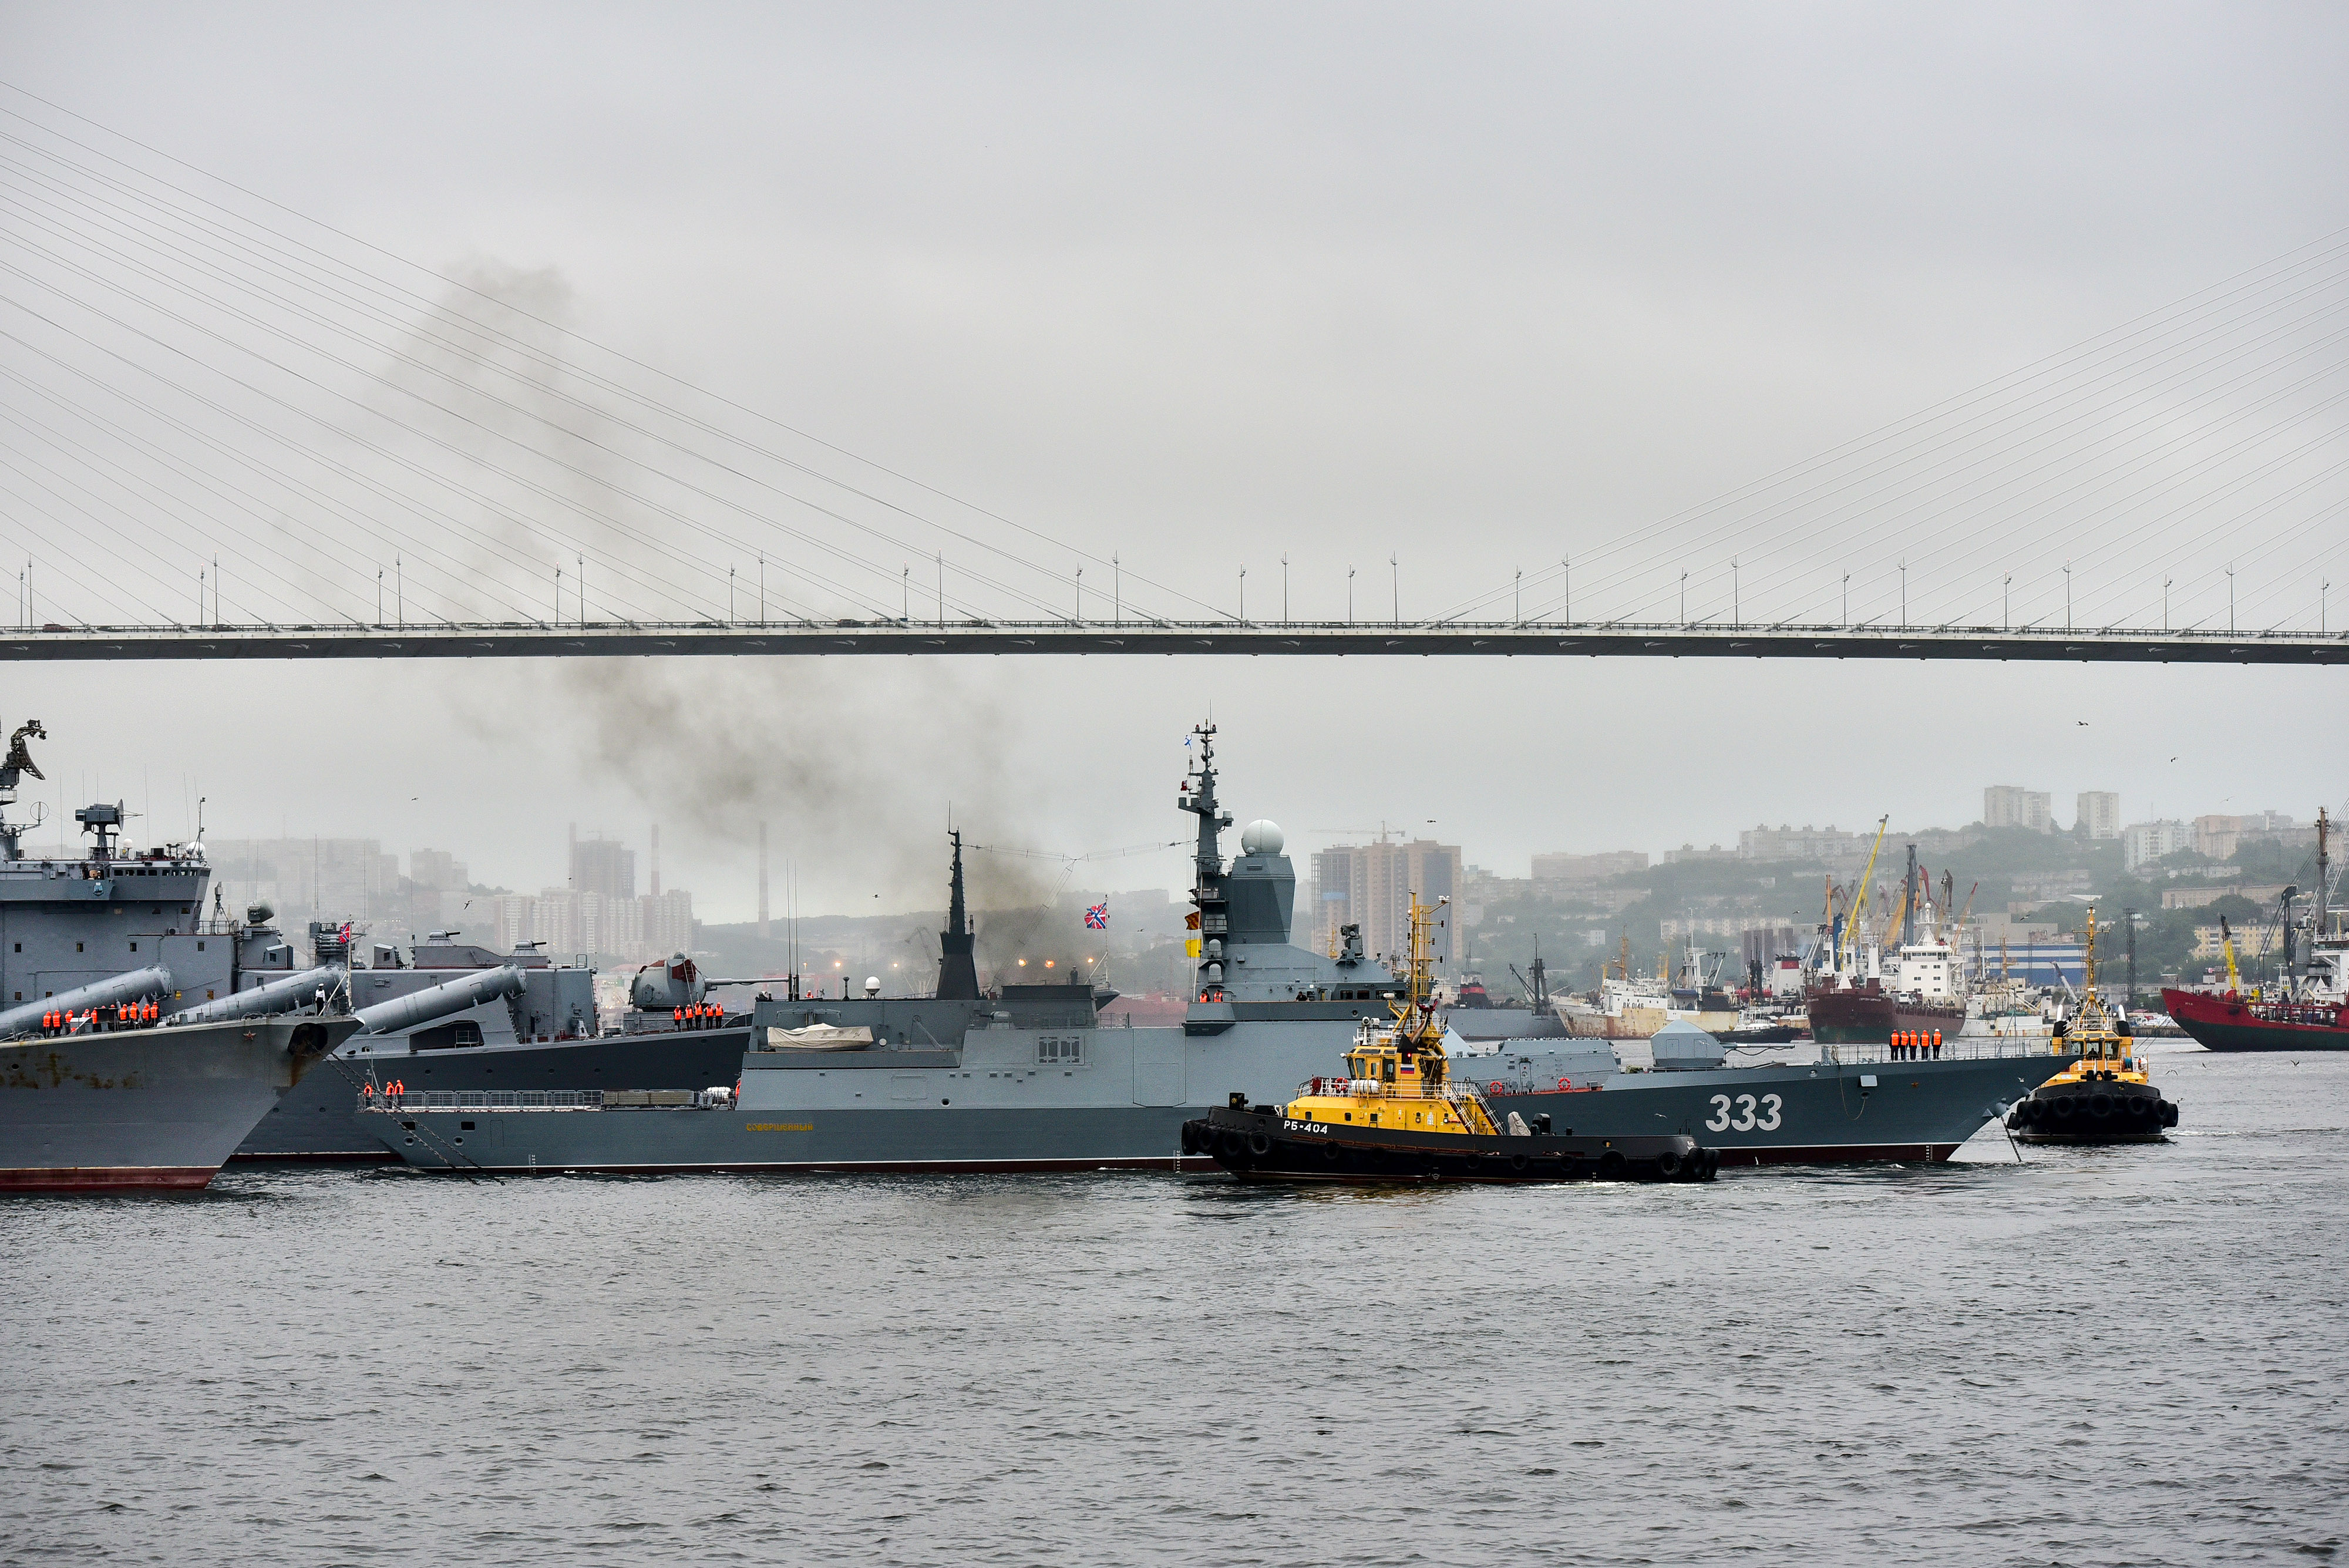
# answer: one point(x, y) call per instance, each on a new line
point(227, 430)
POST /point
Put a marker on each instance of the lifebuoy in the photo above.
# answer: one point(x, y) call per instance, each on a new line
point(1565, 1085)
point(1496, 1087)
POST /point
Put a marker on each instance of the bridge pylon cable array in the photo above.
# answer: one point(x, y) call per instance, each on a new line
point(198, 381)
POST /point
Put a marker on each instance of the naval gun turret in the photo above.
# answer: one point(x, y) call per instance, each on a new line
point(667, 984)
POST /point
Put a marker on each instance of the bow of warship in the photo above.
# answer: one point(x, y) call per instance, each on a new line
point(136, 1047)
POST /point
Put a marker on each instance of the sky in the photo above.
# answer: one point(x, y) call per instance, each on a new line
point(1478, 289)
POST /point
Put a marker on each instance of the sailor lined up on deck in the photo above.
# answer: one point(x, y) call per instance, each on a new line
point(1916, 1044)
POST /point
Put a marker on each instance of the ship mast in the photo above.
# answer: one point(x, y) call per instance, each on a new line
point(1909, 901)
point(1198, 797)
point(19, 762)
point(957, 969)
point(2324, 889)
point(2091, 1019)
point(1416, 1027)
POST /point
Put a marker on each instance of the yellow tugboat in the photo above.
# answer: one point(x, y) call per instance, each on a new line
point(1397, 1117)
point(2104, 1096)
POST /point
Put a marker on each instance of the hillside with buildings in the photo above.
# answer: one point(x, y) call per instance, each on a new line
point(2020, 879)
point(596, 911)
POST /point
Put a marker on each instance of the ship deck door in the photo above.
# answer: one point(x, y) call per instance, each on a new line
point(1157, 1068)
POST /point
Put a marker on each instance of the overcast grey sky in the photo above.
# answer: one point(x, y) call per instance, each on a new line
point(1477, 287)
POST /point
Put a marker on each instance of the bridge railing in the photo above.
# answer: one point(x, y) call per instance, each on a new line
point(848, 636)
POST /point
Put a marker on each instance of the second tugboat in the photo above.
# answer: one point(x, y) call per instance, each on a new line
point(2105, 1095)
point(1397, 1118)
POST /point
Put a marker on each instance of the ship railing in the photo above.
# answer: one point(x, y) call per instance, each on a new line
point(1375, 1088)
point(495, 1100)
point(2325, 1015)
point(1969, 1048)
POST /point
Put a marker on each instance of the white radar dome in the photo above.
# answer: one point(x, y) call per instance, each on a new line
point(1261, 838)
point(872, 985)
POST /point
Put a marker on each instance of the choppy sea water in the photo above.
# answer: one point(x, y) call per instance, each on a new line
point(2099, 1356)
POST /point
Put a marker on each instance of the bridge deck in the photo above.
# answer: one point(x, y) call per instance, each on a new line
point(533, 641)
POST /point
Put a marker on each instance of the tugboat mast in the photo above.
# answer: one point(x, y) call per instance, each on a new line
point(1416, 1030)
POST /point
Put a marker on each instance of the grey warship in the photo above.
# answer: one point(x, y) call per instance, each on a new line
point(452, 1017)
point(140, 1038)
point(1035, 1088)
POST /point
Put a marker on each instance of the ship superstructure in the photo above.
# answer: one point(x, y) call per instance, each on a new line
point(1919, 993)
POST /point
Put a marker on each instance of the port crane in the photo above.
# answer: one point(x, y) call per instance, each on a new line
point(1859, 900)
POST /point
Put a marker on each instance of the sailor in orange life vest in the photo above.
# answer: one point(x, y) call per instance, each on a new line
point(1912, 1044)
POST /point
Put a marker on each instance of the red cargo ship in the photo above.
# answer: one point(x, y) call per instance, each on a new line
point(1868, 1015)
point(2226, 1021)
point(2313, 1012)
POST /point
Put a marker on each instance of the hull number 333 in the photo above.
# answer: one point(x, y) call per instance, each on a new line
point(1744, 1120)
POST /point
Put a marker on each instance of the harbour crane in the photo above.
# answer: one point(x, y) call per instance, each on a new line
point(1860, 900)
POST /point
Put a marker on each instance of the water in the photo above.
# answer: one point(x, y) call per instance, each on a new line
point(2127, 1355)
